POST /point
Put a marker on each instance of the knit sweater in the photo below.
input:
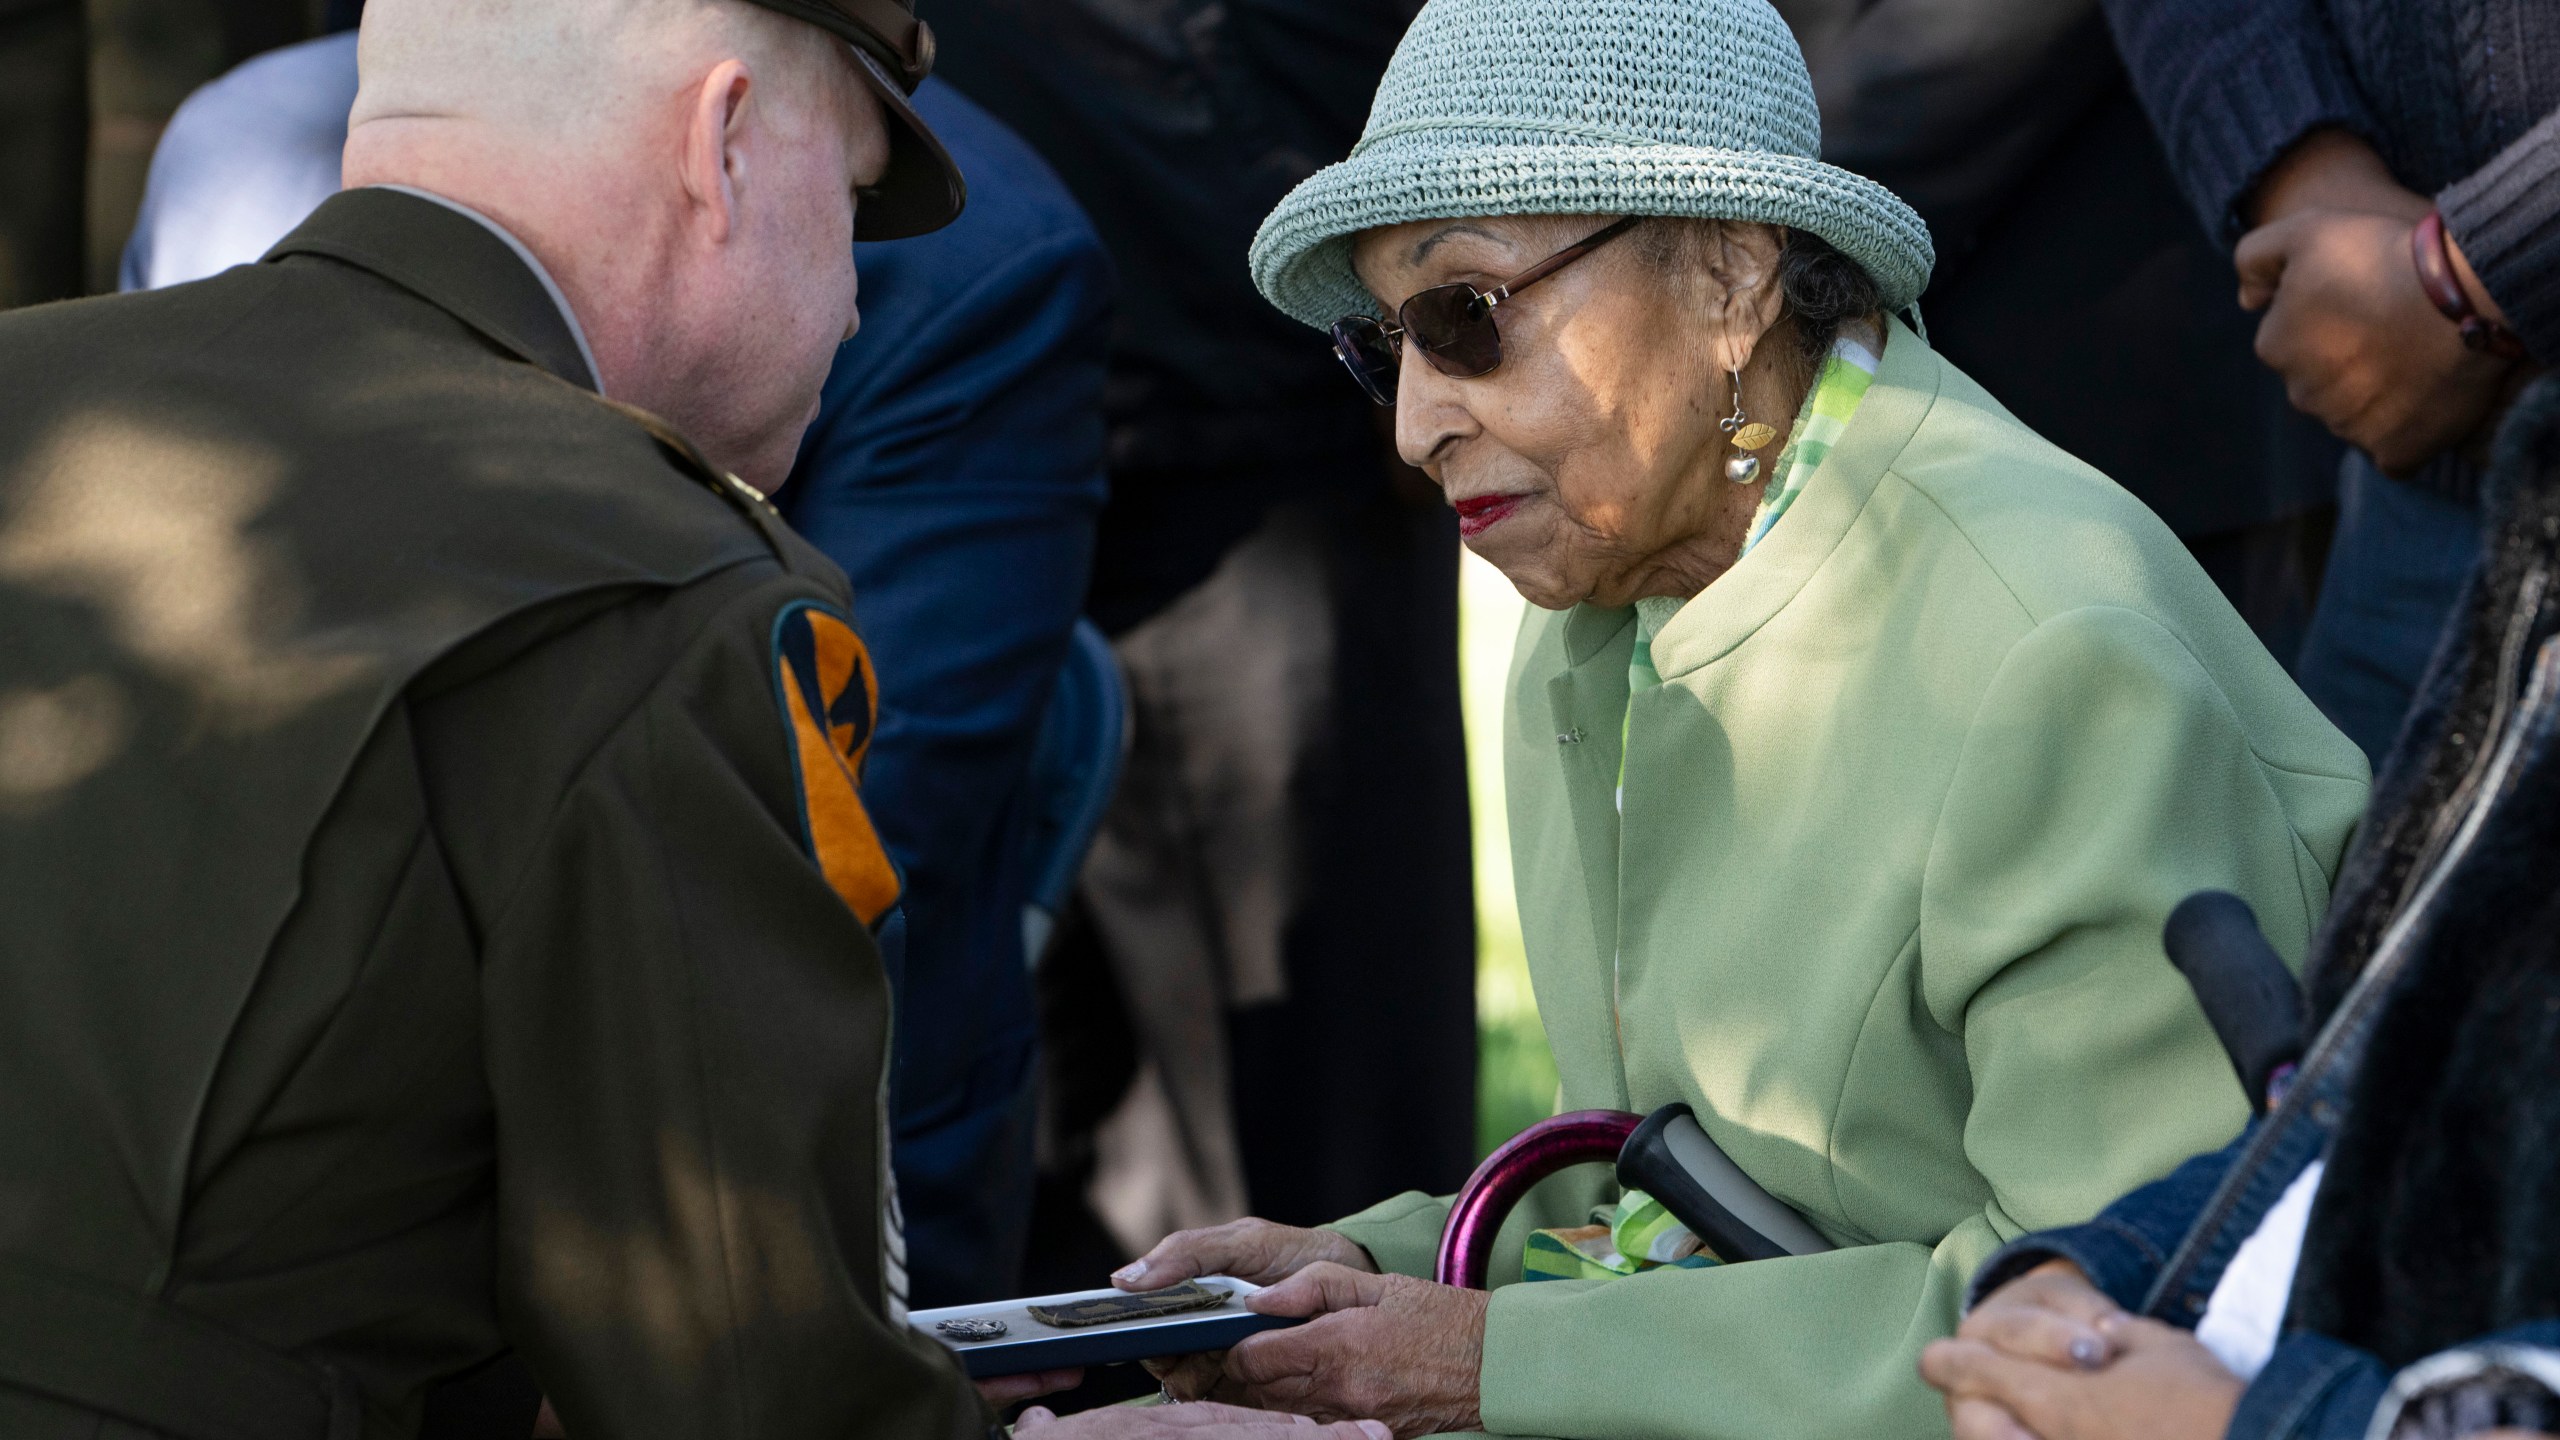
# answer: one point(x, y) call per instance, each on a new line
point(2458, 96)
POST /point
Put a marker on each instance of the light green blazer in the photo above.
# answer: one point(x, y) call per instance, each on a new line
point(1925, 773)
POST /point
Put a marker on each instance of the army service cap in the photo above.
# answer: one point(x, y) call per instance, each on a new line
point(922, 189)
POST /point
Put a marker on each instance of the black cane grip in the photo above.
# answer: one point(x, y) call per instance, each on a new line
point(2248, 996)
point(1671, 1158)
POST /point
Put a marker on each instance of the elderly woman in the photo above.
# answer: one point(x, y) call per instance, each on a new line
point(1857, 748)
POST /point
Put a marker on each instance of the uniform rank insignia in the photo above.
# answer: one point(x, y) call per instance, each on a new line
point(823, 675)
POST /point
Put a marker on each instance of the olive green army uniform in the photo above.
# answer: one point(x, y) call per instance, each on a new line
point(439, 915)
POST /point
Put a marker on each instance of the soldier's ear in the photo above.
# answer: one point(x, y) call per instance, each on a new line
point(712, 159)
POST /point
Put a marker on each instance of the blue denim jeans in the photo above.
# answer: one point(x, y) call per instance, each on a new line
point(2398, 562)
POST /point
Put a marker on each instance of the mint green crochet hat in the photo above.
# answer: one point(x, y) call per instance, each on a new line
point(1604, 107)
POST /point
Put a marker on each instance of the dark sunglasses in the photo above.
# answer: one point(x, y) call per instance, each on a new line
point(1452, 325)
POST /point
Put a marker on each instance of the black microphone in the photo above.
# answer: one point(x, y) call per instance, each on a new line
point(2252, 1001)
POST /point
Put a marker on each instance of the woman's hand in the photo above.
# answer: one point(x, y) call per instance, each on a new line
point(1402, 1350)
point(1188, 1422)
point(2160, 1385)
point(2052, 1314)
point(1255, 1251)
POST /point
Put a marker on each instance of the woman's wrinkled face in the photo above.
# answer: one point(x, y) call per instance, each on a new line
point(1589, 465)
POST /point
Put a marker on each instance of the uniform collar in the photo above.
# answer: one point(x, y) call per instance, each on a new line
point(458, 260)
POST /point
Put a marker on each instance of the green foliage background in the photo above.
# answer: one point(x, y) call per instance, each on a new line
point(1515, 1072)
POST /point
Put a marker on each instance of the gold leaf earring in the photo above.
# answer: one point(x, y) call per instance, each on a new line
point(1748, 435)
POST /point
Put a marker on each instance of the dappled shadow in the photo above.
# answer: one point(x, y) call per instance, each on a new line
point(150, 526)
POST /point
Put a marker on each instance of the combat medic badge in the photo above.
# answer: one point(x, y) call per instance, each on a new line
point(1113, 1309)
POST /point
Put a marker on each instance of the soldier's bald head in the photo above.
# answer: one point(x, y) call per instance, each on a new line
point(571, 72)
point(686, 169)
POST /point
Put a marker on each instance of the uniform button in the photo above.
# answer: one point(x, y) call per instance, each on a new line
point(2325, 1113)
point(1570, 737)
point(2195, 1303)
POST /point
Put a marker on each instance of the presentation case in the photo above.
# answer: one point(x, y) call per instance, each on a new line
point(1026, 1344)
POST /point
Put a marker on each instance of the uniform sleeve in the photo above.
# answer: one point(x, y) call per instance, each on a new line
point(2103, 779)
point(686, 1028)
point(955, 473)
point(2231, 87)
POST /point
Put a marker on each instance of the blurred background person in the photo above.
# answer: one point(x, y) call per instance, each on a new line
point(2070, 280)
point(1278, 925)
point(2316, 137)
point(245, 158)
point(954, 470)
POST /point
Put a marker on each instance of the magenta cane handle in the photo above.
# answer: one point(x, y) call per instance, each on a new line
point(1475, 1220)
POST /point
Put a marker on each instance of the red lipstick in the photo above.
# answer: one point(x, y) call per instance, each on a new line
point(1483, 512)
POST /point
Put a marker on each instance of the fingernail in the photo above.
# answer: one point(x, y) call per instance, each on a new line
point(1132, 1273)
point(1376, 1430)
point(2088, 1351)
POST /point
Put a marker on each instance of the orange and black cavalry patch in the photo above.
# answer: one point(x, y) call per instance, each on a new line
point(823, 675)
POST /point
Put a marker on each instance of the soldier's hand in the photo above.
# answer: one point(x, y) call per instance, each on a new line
point(1190, 1422)
point(1195, 1377)
point(1003, 1390)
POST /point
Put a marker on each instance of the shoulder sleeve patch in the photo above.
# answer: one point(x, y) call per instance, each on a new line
point(822, 678)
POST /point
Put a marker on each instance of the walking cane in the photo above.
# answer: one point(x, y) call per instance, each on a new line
point(1667, 1154)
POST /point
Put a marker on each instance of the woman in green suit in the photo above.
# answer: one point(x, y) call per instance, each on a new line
point(1858, 746)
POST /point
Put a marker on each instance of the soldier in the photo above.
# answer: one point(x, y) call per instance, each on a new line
point(441, 917)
